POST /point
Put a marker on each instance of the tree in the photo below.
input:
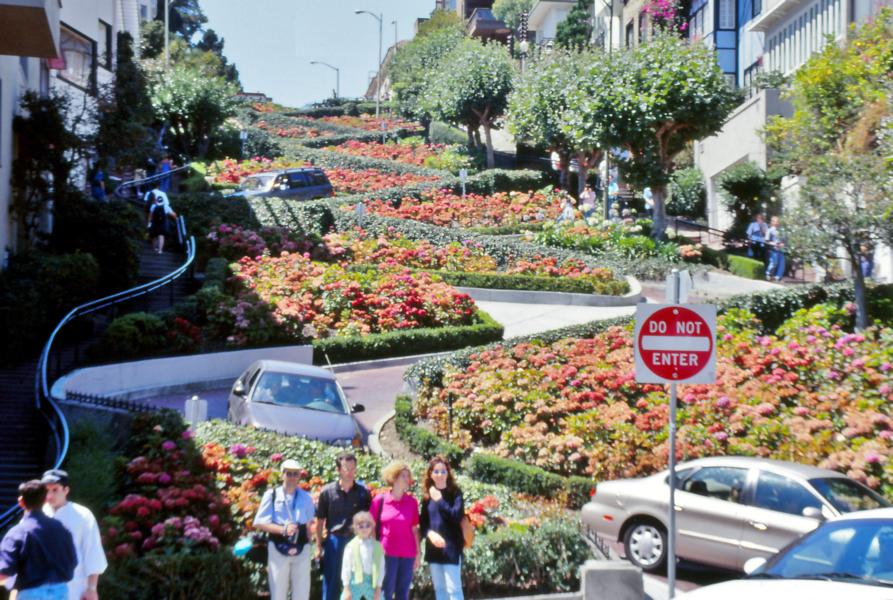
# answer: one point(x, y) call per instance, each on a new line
point(838, 141)
point(510, 11)
point(186, 17)
point(441, 19)
point(414, 65)
point(539, 113)
point(663, 95)
point(125, 111)
point(194, 106)
point(575, 32)
point(471, 88)
point(747, 189)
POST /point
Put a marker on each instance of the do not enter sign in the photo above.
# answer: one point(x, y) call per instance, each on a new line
point(675, 343)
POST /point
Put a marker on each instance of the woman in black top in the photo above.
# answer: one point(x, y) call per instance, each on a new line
point(442, 512)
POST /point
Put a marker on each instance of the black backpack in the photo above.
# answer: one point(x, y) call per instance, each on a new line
point(159, 215)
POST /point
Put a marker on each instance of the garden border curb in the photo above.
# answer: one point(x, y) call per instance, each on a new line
point(631, 298)
point(373, 441)
point(381, 363)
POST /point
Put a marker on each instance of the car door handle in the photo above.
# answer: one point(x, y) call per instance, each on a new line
point(758, 525)
point(677, 507)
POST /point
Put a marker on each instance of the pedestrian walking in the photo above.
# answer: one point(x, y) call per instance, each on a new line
point(39, 551)
point(97, 183)
point(81, 523)
point(165, 181)
point(336, 507)
point(648, 197)
point(363, 569)
point(443, 509)
point(756, 238)
point(775, 242)
point(567, 209)
point(285, 513)
point(159, 214)
point(396, 515)
point(587, 201)
point(613, 192)
point(866, 260)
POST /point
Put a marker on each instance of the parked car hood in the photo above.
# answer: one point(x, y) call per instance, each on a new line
point(786, 589)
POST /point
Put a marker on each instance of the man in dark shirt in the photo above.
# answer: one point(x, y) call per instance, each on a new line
point(338, 502)
point(38, 551)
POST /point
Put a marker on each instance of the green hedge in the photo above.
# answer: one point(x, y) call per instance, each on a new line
point(406, 342)
point(208, 576)
point(717, 258)
point(504, 180)
point(420, 440)
point(329, 159)
point(91, 466)
point(501, 281)
point(527, 479)
point(747, 267)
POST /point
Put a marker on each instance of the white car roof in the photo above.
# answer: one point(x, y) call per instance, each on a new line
point(293, 368)
point(779, 466)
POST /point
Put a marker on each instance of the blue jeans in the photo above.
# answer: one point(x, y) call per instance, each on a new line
point(776, 264)
point(397, 577)
point(332, 555)
point(49, 591)
point(447, 580)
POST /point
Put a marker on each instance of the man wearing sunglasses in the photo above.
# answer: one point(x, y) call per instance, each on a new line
point(285, 514)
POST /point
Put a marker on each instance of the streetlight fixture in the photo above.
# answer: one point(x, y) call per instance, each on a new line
point(337, 75)
point(167, 33)
point(380, 19)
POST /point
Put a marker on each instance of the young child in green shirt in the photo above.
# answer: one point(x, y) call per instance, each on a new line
point(362, 569)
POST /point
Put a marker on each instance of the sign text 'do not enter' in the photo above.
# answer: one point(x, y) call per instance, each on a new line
point(675, 343)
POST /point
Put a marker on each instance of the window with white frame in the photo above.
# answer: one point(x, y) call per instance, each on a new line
point(79, 53)
point(726, 14)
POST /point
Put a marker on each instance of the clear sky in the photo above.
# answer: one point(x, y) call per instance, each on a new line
point(273, 41)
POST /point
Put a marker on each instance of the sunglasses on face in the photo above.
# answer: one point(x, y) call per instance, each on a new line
point(439, 472)
point(364, 525)
point(291, 473)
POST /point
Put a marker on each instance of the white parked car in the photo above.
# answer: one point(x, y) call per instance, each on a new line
point(728, 509)
point(294, 398)
point(849, 558)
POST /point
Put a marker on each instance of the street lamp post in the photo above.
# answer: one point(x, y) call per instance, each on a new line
point(610, 5)
point(167, 46)
point(337, 75)
point(380, 19)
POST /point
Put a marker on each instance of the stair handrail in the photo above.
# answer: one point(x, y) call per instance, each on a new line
point(45, 403)
point(136, 183)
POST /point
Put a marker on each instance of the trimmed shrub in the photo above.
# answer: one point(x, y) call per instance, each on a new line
point(419, 440)
point(504, 180)
point(134, 335)
point(717, 258)
point(406, 342)
point(499, 281)
point(688, 197)
point(91, 466)
point(518, 476)
point(743, 266)
point(442, 133)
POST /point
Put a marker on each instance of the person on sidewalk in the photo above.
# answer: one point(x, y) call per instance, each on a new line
point(165, 181)
point(396, 515)
point(338, 502)
point(587, 201)
point(756, 238)
point(440, 523)
point(775, 244)
point(363, 568)
point(39, 551)
point(285, 513)
point(81, 523)
point(159, 214)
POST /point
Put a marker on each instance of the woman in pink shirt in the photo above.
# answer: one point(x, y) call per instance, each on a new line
point(396, 515)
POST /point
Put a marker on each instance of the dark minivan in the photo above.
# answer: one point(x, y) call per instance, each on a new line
point(305, 183)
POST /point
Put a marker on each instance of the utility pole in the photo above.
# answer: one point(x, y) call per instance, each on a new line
point(610, 5)
point(337, 75)
point(167, 34)
point(380, 19)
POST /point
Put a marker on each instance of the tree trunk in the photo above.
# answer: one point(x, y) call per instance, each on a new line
point(859, 294)
point(426, 123)
point(564, 164)
point(660, 212)
point(470, 131)
point(477, 136)
point(491, 159)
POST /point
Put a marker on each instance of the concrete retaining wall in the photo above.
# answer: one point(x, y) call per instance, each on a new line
point(144, 378)
point(632, 298)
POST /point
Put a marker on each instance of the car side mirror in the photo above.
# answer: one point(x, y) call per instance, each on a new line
point(357, 408)
point(239, 388)
point(811, 512)
point(753, 564)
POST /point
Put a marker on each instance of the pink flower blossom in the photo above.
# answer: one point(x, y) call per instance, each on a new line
point(721, 436)
point(723, 402)
point(873, 458)
point(276, 457)
point(168, 445)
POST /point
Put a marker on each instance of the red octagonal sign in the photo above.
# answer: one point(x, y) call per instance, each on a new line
point(675, 343)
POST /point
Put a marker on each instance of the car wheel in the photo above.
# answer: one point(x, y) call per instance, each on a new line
point(645, 544)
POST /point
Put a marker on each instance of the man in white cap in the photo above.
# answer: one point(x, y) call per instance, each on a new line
point(81, 523)
point(285, 513)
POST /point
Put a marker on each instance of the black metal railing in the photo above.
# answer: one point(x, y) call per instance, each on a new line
point(131, 189)
point(110, 402)
point(48, 405)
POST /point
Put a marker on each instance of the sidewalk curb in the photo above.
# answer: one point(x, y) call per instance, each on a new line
point(631, 298)
point(381, 363)
point(373, 440)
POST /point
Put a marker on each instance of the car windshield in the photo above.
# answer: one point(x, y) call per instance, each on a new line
point(258, 183)
point(847, 495)
point(859, 550)
point(301, 391)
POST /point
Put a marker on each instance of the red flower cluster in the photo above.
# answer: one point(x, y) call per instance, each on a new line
point(404, 153)
point(372, 123)
point(296, 131)
point(444, 208)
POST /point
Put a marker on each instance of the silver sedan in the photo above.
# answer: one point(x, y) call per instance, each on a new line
point(728, 509)
point(294, 398)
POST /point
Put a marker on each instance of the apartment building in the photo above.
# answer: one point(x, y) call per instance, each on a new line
point(754, 36)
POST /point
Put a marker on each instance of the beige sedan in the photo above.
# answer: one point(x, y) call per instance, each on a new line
point(728, 509)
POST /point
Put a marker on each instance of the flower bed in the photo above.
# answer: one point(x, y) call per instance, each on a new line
point(372, 123)
point(344, 180)
point(629, 240)
point(413, 154)
point(446, 208)
point(811, 392)
point(295, 131)
point(292, 297)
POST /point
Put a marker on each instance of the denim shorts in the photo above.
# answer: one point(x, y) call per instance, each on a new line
point(50, 591)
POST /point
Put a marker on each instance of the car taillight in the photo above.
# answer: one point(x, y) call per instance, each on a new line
point(592, 492)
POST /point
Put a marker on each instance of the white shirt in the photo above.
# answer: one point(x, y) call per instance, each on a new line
point(366, 548)
point(81, 523)
point(148, 199)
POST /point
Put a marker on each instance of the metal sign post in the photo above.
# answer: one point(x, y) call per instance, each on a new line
point(463, 177)
point(675, 343)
